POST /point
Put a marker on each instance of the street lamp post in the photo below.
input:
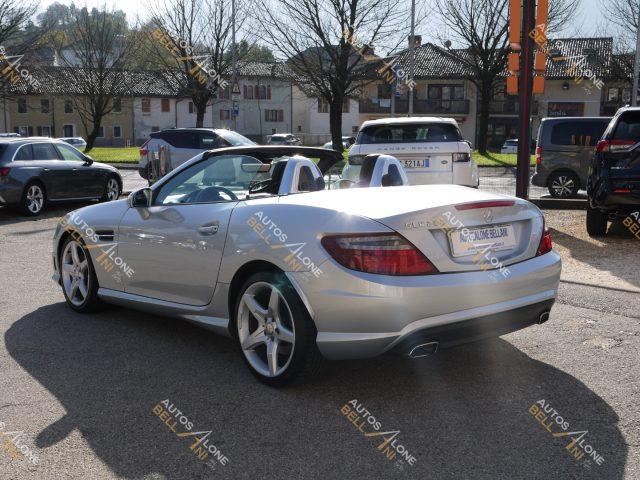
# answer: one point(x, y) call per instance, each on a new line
point(636, 66)
point(412, 55)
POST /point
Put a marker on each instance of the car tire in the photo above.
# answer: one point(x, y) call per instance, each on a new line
point(274, 331)
point(563, 185)
point(111, 189)
point(88, 300)
point(596, 222)
point(34, 199)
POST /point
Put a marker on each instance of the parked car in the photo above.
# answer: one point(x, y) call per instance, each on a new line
point(182, 144)
point(248, 242)
point(510, 146)
point(431, 150)
point(346, 143)
point(284, 139)
point(9, 135)
point(613, 185)
point(563, 151)
point(77, 142)
point(35, 171)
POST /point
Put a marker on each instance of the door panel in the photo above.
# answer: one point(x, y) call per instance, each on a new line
point(85, 180)
point(54, 170)
point(175, 250)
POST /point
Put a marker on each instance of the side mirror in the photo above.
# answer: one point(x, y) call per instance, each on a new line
point(140, 198)
point(88, 160)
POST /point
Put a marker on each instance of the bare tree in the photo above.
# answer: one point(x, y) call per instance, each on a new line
point(316, 37)
point(624, 15)
point(481, 28)
point(15, 16)
point(96, 52)
point(192, 40)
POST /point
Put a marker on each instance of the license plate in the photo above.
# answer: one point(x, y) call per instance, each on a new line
point(473, 240)
point(415, 163)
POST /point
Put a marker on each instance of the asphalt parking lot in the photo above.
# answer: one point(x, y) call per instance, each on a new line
point(84, 391)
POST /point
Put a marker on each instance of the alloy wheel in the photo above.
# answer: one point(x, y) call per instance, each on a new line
point(113, 190)
point(35, 198)
point(266, 329)
point(563, 186)
point(75, 273)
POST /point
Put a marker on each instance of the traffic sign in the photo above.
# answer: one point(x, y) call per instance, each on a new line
point(236, 88)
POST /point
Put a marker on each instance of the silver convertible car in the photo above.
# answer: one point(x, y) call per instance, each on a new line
point(247, 241)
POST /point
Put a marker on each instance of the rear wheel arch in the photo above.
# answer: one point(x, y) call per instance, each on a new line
point(241, 276)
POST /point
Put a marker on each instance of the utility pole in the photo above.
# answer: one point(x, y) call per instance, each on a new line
point(525, 88)
point(636, 66)
point(233, 59)
point(412, 55)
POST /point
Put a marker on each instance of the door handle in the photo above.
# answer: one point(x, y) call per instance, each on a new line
point(45, 170)
point(208, 228)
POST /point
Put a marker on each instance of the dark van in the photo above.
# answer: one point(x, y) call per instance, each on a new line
point(563, 152)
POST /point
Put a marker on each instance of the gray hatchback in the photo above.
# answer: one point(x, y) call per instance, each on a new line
point(38, 170)
point(564, 149)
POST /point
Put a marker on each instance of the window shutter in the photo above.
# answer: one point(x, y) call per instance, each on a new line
point(244, 91)
point(280, 115)
point(31, 131)
point(39, 131)
point(256, 90)
point(269, 92)
point(221, 115)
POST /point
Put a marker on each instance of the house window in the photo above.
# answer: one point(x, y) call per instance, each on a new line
point(191, 109)
point(22, 105)
point(273, 115)
point(23, 131)
point(248, 92)
point(354, 128)
point(225, 114)
point(323, 105)
point(101, 132)
point(345, 106)
point(155, 129)
point(44, 105)
point(117, 105)
point(164, 104)
point(44, 131)
point(299, 128)
point(68, 106)
point(445, 92)
point(146, 105)
point(67, 131)
point(224, 93)
point(384, 90)
point(626, 95)
point(613, 95)
point(117, 131)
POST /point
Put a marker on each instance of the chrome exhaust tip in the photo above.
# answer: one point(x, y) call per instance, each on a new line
point(424, 350)
point(544, 316)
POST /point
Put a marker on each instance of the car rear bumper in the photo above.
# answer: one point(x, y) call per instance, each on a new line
point(361, 315)
point(539, 179)
point(10, 194)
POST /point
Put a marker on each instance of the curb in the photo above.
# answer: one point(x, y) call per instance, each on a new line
point(559, 204)
point(124, 166)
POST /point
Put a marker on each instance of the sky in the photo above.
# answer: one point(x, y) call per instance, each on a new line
point(586, 23)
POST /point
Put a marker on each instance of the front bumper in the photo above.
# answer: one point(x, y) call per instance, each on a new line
point(539, 179)
point(360, 315)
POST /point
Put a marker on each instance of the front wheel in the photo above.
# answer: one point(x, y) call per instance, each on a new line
point(111, 190)
point(596, 222)
point(274, 331)
point(79, 281)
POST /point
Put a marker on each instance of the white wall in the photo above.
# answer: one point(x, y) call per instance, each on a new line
point(143, 122)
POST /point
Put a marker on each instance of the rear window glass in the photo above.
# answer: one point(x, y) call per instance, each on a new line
point(578, 133)
point(421, 132)
point(234, 138)
point(628, 127)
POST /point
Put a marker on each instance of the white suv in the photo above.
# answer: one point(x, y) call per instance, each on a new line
point(431, 149)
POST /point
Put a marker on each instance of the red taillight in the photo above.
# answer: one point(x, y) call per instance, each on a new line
point(143, 149)
point(545, 245)
point(621, 190)
point(538, 155)
point(614, 145)
point(381, 253)
point(461, 157)
point(4, 171)
point(489, 204)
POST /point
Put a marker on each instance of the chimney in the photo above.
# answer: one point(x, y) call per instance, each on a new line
point(417, 40)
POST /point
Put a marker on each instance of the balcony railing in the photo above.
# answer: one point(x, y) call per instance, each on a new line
point(453, 107)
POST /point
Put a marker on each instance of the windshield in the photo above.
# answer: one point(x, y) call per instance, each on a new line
point(409, 133)
point(234, 138)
